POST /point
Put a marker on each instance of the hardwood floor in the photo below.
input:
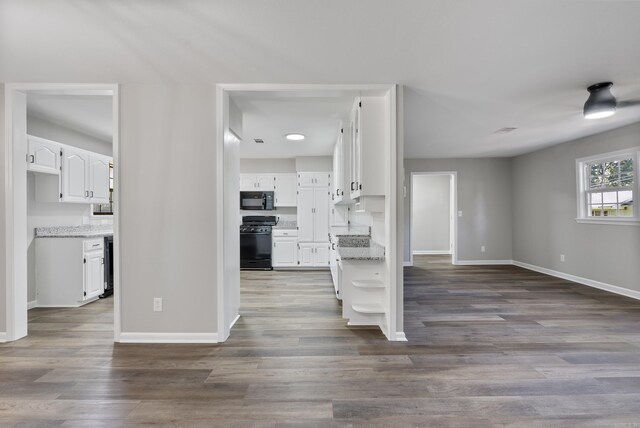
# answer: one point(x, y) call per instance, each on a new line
point(488, 346)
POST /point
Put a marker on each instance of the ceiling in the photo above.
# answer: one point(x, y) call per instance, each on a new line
point(271, 118)
point(88, 114)
point(468, 67)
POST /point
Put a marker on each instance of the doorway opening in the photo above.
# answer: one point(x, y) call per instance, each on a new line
point(62, 246)
point(433, 216)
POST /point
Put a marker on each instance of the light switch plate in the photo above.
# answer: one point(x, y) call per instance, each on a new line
point(157, 304)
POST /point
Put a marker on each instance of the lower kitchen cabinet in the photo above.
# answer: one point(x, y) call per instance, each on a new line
point(285, 252)
point(314, 254)
point(69, 271)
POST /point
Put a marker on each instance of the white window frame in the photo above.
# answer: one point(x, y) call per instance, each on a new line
point(582, 186)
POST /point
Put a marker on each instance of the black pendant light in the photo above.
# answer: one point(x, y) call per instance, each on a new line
point(601, 102)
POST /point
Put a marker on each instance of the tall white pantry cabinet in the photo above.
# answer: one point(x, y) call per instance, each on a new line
point(314, 195)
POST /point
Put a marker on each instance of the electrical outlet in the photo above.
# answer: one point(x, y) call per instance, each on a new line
point(157, 304)
point(482, 249)
point(562, 258)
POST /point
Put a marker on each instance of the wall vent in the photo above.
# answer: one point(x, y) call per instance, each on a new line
point(505, 130)
point(259, 140)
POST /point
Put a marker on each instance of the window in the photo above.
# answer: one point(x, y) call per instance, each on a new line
point(608, 187)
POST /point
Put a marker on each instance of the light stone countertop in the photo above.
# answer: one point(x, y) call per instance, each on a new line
point(284, 224)
point(351, 230)
point(374, 252)
point(84, 231)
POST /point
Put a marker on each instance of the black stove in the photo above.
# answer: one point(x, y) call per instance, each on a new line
point(255, 242)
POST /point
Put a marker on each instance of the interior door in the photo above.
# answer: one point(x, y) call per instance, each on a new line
point(75, 186)
point(321, 220)
point(99, 179)
point(306, 214)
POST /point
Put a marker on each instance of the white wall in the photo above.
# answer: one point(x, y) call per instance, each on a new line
point(314, 163)
point(267, 165)
point(430, 215)
point(53, 131)
point(484, 197)
point(168, 207)
point(545, 208)
point(3, 236)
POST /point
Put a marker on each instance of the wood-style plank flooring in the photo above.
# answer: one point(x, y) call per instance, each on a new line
point(488, 346)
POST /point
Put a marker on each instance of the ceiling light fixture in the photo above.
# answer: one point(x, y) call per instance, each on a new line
point(601, 102)
point(294, 137)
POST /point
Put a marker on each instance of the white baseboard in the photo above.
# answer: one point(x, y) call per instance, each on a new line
point(235, 320)
point(407, 264)
point(584, 281)
point(400, 337)
point(32, 304)
point(483, 262)
point(3, 337)
point(430, 252)
point(168, 337)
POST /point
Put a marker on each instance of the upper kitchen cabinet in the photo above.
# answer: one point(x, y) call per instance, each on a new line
point(368, 138)
point(258, 182)
point(341, 167)
point(43, 155)
point(314, 179)
point(285, 190)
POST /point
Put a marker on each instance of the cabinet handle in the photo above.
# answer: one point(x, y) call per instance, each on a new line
point(352, 183)
point(333, 246)
point(274, 244)
point(95, 245)
point(92, 193)
point(86, 193)
point(102, 260)
point(31, 159)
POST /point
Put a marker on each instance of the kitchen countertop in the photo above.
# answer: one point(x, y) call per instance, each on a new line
point(351, 230)
point(84, 231)
point(283, 224)
point(374, 252)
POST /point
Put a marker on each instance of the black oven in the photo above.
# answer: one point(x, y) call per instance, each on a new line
point(256, 201)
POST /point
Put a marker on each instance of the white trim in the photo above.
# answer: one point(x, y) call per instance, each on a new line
point(32, 304)
point(16, 311)
point(430, 252)
point(407, 263)
point(60, 306)
point(235, 320)
point(399, 336)
point(3, 337)
point(126, 337)
point(584, 281)
point(609, 221)
point(483, 262)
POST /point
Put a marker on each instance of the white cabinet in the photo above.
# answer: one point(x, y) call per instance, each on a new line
point(341, 167)
point(43, 155)
point(258, 182)
point(339, 215)
point(369, 135)
point(314, 179)
point(313, 214)
point(285, 190)
point(314, 254)
point(74, 175)
point(99, 179)
point(333, 265)
point(285, 248)
point(69, 271)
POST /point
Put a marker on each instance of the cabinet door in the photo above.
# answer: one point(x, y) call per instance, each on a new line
point(285, 191)
point(285, 252)
point(321, 215)
point(322, 254)
point(306, 179)
point(43, 155)
point(247, 182)
point(322, 179)
point(356, 149)
point(93, 274)
point(339, 215)
point(307, 254)
point(306, 214)
point(264, 182)
point(99, 179)
point(337, 168)
point(74, 175)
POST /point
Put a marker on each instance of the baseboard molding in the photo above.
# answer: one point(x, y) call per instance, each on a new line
point(482, 262)
point(584, 281)
point(168, 337)
point(400, 337)
point(32, 304)
point(431, 252)
point(235, 320)
point(3, 337)
point(407, 264)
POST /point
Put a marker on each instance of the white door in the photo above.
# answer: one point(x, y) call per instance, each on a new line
point(43, 156)
point(306, 214)
point(99, 179)
point(75, 186)
point(339, 215)
point(247, 182)
point(306, 179)
point(285, 191)
point(93, 275)
point(264, 182)
point(306, 254)
point(322, 254)
point(321, 215)
point(285, 252)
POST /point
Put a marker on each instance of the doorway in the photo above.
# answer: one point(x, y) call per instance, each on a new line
point(52, 119)
point(433, 215)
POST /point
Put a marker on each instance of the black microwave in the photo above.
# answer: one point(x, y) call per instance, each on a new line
point(256, 201)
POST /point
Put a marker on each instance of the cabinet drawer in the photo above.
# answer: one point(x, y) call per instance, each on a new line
point(94, 244)
point(284, 232)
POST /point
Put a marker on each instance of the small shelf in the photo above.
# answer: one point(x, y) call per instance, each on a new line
point(368, 283)
point(368, 309)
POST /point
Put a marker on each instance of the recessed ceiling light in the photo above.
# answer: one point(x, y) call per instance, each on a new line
point(294, 137)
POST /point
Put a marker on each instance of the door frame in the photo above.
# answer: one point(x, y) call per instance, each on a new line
point(228, 281)
point(15, 275)
point(453, 209)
